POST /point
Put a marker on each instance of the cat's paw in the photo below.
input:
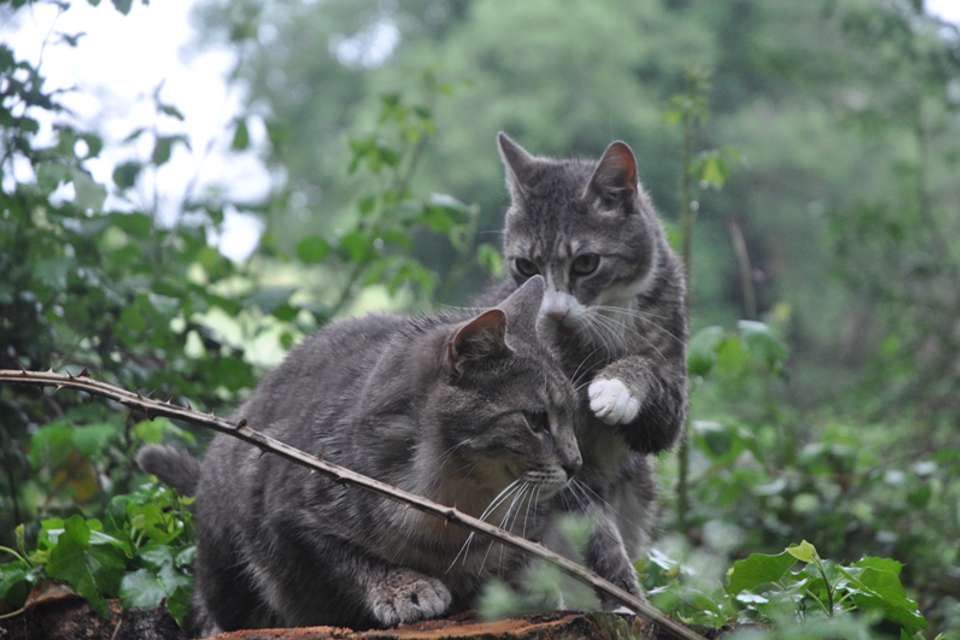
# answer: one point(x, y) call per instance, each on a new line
point(626, 580)
point(612, 402)
point(406, 596)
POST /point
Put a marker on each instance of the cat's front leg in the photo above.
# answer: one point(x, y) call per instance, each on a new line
point(402, 596)
point(647, 397)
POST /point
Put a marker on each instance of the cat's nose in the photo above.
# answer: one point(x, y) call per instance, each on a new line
point(571, 468)
point(557, 314)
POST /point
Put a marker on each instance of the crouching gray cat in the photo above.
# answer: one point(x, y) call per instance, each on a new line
point(614, 312)
point(466, 411)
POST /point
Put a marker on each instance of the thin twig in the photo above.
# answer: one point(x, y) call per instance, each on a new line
point(242, 431)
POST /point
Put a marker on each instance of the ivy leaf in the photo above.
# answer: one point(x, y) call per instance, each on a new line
point(757, 570)
point(91, 572)
point(142, 589)
point(804, 552)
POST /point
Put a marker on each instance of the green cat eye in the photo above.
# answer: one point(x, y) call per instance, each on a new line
point(585, 264)
point(525, 267)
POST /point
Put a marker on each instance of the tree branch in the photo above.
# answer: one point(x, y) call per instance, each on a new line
point(154, 408)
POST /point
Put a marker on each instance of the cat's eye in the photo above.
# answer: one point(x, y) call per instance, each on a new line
point(585, 264)
point(525, 267)
point(538, 421)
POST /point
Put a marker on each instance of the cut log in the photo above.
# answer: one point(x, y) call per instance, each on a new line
point(558, 625)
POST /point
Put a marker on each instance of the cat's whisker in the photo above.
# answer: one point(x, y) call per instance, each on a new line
point(524, 497)
point(503, 521)
point(590, 492)
point(582, 366)
point(644, 316)
point(578, 500)
point(599, 334)
point(606, 334)
point(494, 504)
point(628, 329)
point(634, 312)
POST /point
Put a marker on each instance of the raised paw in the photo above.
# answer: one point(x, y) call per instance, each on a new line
point(406, 596)
point(612, 402)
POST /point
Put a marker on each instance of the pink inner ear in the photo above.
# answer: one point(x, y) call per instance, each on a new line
point(484, 335)
point(621, 161)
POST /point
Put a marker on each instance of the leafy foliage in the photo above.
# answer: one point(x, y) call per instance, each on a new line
point(822, 185)
point(141, 552)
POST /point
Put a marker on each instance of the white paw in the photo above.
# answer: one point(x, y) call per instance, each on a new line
point(612, 402)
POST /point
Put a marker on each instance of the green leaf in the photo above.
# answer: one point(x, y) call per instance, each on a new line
point(490, 259)
point(154, 431)
point(162, 150)
point(90, 571)
point(89, 194)
point(172, 111)
point(702, 353)
point(312, 249)
point(142, 589)
point(93, 439)
point(757, 570)
point(880, 564)
point(241, 136)
point(123, 6)
point(804, 552)
point(357, 246)
point(51, 445)
point(125, 174)
point(732, 357)
point(50, 175)
point(762, 342)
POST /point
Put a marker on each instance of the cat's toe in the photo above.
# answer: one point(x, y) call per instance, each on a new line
point(612, 402)
point(409, 599)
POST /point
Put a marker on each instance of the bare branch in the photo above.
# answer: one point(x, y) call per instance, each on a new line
point(155, 408)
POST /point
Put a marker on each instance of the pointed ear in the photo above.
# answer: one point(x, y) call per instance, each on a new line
point(615, 177)
point(523, 305)
point(517, 162)
point(480, 338)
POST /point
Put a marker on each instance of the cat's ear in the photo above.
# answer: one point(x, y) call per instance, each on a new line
point(517, 163)
point(615, 176)
point(523, 305)
point(480, 338)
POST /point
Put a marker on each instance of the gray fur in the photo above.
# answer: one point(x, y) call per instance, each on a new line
point(435, 405)
point(172, 465)
point(620, 330)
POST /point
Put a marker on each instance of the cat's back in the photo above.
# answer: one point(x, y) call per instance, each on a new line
point(324, 372)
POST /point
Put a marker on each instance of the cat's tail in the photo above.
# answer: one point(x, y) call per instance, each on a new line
point(172, 465)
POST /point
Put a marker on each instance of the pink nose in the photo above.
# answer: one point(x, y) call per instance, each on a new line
point(556, 314)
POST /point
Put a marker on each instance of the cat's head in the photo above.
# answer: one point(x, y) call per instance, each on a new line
point(502, 409)
point(587, 227)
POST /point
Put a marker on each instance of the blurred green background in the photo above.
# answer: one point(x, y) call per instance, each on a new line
point(822, 143)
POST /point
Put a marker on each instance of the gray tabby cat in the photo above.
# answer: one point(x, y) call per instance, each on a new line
point(468, 412)
point(614, 311)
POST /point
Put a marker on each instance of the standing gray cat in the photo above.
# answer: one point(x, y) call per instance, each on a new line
point(614, 311)
point(468, 412)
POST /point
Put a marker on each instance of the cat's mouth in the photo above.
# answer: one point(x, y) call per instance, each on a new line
point(547, 482)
